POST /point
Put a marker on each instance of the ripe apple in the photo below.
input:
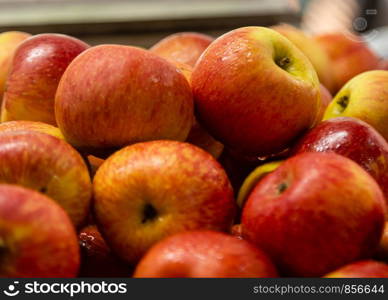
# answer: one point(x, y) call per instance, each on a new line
point(183, 47)
point(37, 237)
point(204, 254)
point(37, 67)
point(312, 49)
point(326, 98)
point(97, 259)
point(382, 251)
point(364, 97)
point(150, 190)
point(349, 55)
point(49, 165)
point(9, 41)
point(353, 139)
point(94, 163)
point(361, 269)
point(315, 213)
point(31, 125)
point(236, 231)
point(255, 91)
point(111, 96)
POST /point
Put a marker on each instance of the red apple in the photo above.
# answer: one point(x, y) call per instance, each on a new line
point(316, 212)
point(204, 254)
point(326, 98)
point(353, 139)
point(31, 125)
point(37, 237)
point(361, 269)
point(97, 260)
point(183, 47)
point(255, 91)
point(349, 55)
point(382, 251)
point(111, 96)
point(37, 67)
point(49, 165)
point(148, 191)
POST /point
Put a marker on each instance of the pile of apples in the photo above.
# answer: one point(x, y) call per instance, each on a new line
point(199, 157)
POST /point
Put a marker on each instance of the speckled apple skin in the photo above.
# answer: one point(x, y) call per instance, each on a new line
point(112, 96)
point(37, 67)
point(49, 165)
point(204, 254)
point(186, 186)
point(361, 269)
point(246, 100)
point(331, 214)
point(353, 139)
point(37, 237)
point(31, 126)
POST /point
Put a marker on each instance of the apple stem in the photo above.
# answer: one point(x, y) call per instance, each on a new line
point(343, 102)
point(283, 62)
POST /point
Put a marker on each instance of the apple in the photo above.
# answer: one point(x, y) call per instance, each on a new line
point(255, 91)
point(204, 254)
point(97, 259)
point(111, 96)
point(312, 49)
point(94, 163)
point(37, 237)
point(382, 251)
point(349, 56)
point(316, 212)
point(236, 231)
point(364, 97)
point(183, 47)
point(31, 125)
point(353, 139)
point(49, 165)
point(361, 269)
point(9, 41)
point(37, 67)
point(326, 98)
point(150, 190)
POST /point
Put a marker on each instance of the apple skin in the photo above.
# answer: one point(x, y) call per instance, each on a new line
point(312, 49)
point(94, 163)
point(37, 237)
point(49, 165)
point(136, 96)
point(97, 260)
point(204, 254)
point(353, 139)
point(245, 100)
point(326, 98)
point(361, 269)
point(37, 67)
point(364, 97)
point(33, 126)
point(150, 190)
point(9, 41)
point(183, 47)
point(382, 251)
point(349, 56)
point(315, 213)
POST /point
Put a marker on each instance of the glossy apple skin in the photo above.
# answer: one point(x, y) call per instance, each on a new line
point(205, 254)
point(148, 191)
point(312, 49)
point(361, 269)
point(49, 165)
point(31, 126)
point(353, 139)
point(111, 96)
point(349, 56)
point(366, 99)
point(315, 213)
point(37, 237)
point(37, 67)
point(9, 41)
point(183, 47)
point(245, 100)
point(97, 259)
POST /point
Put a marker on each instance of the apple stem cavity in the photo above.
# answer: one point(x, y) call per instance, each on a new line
point(343, 102)
point(283, 62)
point(282, 187)
point(149, 213)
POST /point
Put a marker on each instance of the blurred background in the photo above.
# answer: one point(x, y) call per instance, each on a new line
point(144, 22)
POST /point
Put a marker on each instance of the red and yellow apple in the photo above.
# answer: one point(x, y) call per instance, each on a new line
point(361, 269)
point(315, 213)
point(255, 91)
point(32, 126)
point(37, 67)
point(150, 190)
point(49, 165)
point(37, 237)
point(204, 254)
